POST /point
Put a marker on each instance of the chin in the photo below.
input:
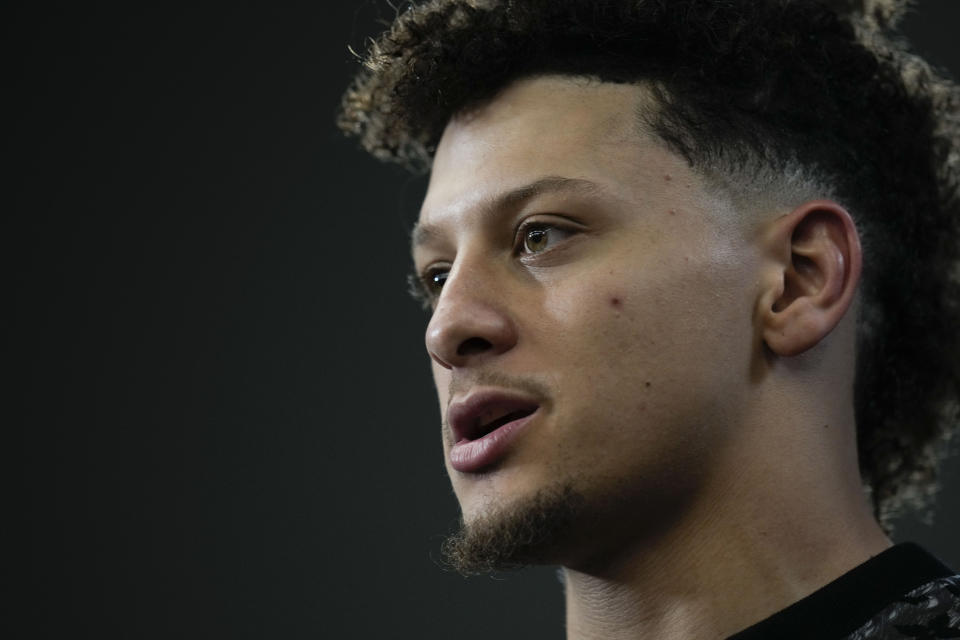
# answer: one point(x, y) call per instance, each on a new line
point(501, 487)
point(508, 533)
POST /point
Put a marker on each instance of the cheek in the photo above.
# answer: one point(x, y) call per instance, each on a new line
point(637, 360)
point(673, 318)
point(596, 329)
point(611, 308)
point(441, 379)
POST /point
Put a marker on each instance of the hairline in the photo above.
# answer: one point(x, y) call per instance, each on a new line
point(751, 190)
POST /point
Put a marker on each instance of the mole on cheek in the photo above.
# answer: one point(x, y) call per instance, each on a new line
point(616, 302)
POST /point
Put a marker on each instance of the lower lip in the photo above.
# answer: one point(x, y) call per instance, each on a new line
point(469, 456)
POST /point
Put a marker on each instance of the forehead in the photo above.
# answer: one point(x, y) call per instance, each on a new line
point(539, 127)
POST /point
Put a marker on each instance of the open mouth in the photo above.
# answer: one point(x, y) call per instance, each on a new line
point(486, 425)
point(480, 430)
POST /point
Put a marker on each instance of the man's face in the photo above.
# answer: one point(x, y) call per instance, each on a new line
point(624, 313)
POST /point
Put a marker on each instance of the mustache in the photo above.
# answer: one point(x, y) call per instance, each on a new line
point(531, 385)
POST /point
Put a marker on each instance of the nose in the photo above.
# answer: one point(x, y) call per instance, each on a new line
point(471, 321)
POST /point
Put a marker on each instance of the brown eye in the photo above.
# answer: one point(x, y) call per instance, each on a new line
point(537, 238)
point(432, 282)
point(425, 287)
point(435, 281)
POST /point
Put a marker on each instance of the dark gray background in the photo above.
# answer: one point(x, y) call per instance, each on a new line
point(225, 422)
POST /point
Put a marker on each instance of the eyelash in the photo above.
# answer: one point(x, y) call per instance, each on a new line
point(420, 286)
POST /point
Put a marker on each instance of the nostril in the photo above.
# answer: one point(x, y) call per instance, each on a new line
point(473, 345)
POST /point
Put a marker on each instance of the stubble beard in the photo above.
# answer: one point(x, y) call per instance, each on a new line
point(530, 531)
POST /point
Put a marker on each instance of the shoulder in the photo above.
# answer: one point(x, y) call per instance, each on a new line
point(903, 592)
point(931, 610)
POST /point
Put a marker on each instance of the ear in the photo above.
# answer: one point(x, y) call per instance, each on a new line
point(810, 276)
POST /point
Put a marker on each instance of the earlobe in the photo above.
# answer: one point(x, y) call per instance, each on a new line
point(811, 277)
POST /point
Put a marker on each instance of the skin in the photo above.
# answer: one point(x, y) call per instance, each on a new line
point(694, 361)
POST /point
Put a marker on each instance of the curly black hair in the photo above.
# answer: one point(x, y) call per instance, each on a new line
point(746, 87)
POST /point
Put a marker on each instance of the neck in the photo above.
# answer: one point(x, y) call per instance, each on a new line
point(765, 536)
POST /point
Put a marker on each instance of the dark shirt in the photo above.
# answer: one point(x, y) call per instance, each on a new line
point(903, 592)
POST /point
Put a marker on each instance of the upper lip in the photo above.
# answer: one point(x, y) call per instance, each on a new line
point(468, 417)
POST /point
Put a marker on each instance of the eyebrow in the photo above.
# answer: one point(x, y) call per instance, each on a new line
point(422, 234)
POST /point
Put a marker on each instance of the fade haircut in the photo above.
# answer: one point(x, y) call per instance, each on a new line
point(752, 89)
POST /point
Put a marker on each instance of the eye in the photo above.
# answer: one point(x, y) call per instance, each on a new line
point(434, 279)
point(532, 238)
point(425, 287)
point(535, 237)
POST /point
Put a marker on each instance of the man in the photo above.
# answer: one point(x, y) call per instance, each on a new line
point(692, 268)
